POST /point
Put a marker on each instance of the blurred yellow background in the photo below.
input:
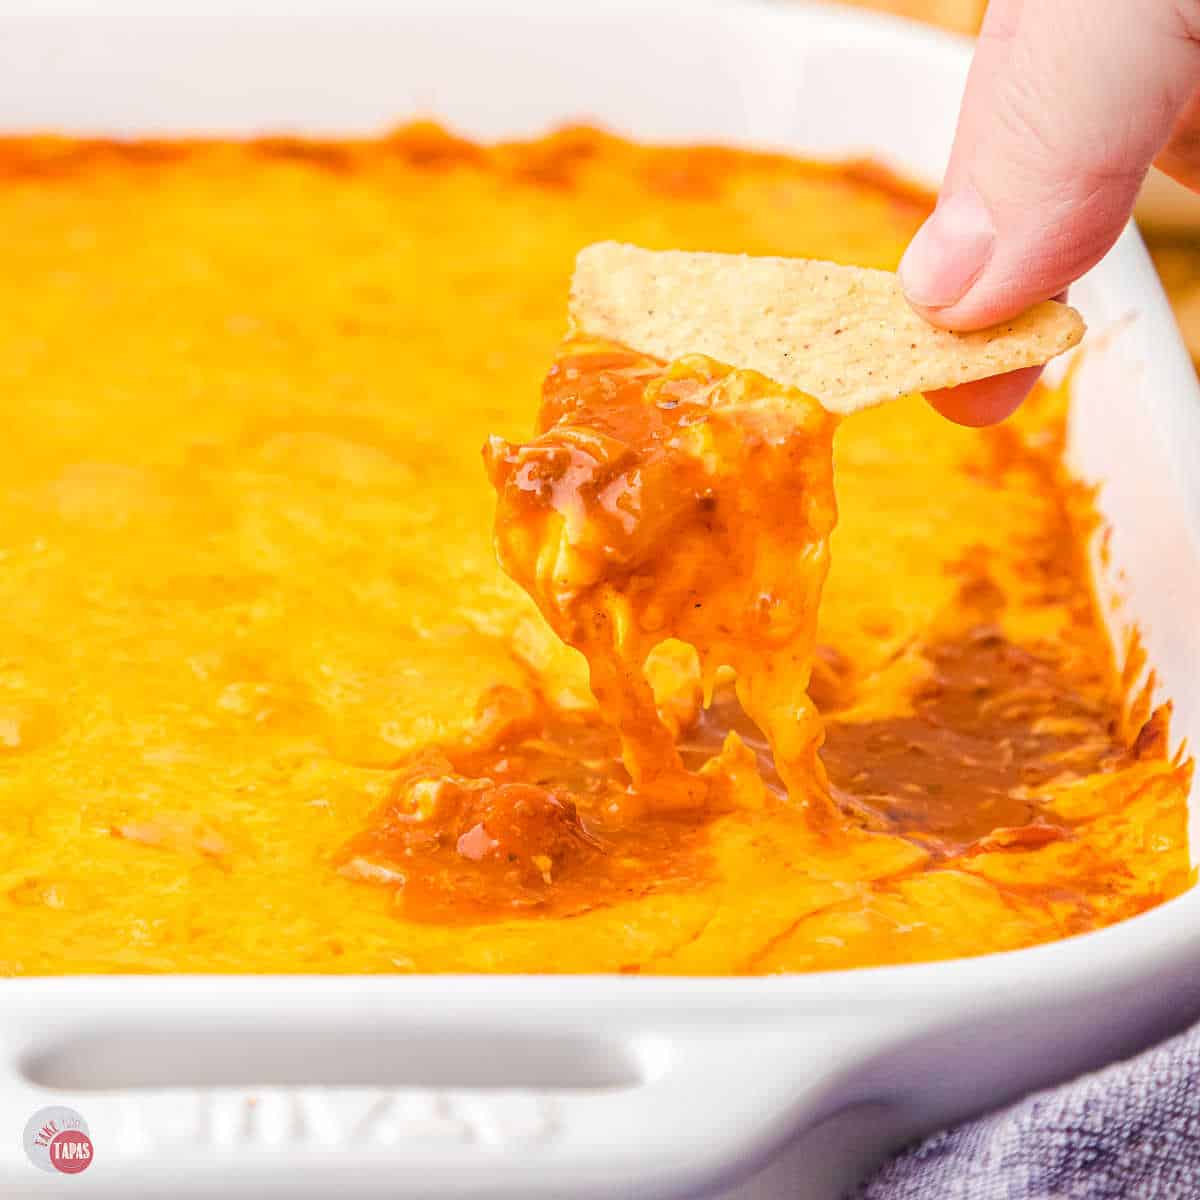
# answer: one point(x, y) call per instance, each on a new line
point(961, 15)
point(1169, 218)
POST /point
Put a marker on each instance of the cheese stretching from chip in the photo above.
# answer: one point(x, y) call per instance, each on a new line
point(269, 704)
point(844, 334)
point(689, 503)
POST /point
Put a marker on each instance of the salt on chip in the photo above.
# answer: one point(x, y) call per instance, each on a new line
point(845, 335)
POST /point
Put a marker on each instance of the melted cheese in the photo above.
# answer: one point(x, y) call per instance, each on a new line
point(689, 503)
point(260, 661)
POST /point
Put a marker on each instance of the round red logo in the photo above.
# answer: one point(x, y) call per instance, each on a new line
point(71, 1151)
point(58, 1139)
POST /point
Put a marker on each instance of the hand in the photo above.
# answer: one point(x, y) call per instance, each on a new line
point(1067, 105)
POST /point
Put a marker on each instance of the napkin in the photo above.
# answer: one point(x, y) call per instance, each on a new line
point(1129, 1132)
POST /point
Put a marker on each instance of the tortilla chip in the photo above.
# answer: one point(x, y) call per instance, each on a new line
point(845, 335)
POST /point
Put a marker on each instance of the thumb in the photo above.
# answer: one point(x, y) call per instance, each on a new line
point(1066, 106)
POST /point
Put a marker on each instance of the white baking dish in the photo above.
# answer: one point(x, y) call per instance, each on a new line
point(598, 1087)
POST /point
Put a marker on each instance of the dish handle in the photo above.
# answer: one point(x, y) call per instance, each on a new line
point(649, 1114)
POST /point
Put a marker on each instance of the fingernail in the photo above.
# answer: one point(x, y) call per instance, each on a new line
point(949, 252)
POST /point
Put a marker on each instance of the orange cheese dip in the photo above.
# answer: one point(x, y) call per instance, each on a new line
point(268, 703)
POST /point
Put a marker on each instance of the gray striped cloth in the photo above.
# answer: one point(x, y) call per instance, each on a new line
point(1129, 1132)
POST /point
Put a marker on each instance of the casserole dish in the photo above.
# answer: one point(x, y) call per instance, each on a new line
point(603, 1086)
